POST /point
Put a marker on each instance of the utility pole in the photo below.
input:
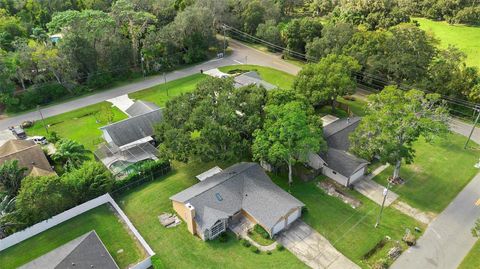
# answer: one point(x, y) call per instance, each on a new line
point(477, 109)
point(43, 120)
point(385, 193)
point(224, 40)
point(143, 68)
point(165, 81)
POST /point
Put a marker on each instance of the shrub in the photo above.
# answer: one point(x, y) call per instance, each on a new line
point(255, 250)
point(246, 243)
point(223, 237)
point(53, 137)
point(269, 252)
point(280, 247)
point(259, 229)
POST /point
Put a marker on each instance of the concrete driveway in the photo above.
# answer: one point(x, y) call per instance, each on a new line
point(312, 248)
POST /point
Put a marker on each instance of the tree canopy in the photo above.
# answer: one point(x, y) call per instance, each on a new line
point(395, 120)
point(288, 135)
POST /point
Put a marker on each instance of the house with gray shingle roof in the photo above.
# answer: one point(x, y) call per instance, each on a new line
point(131, 140)
point(337, 163)
point(241, 190)
point(84, 252)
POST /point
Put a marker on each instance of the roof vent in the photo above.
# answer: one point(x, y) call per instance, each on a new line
point(219, 197)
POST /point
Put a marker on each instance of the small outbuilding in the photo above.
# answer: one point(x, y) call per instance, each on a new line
point(337, 163)
point(241, 190)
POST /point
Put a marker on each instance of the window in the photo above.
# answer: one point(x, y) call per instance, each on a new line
point(219, 197)
point(217, 229)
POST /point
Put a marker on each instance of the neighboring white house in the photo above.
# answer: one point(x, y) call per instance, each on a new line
point(337, 163)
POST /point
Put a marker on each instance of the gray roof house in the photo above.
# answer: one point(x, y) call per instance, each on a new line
point(241, 190)
point(130, 141)
point(337, 163)
point(141, 107)
point(250, 78)
point(84, 252)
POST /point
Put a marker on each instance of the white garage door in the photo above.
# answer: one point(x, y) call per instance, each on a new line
point(292, 217)
point(278, 227)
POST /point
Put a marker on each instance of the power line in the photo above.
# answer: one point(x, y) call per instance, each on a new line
point(363, 74)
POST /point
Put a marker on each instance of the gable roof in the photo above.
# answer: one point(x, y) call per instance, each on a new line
point(28, 154)
point(241, 186)
point(342, 161)
point(337, 133)
point(134, 128)
point(249, 78)
point(141, 107)
point(84, 252)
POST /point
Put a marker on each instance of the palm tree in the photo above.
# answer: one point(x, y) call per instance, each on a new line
point(70, 153)
point(7, 208)
point(11, 176)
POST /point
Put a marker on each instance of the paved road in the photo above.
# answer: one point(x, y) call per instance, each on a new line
point(241, 53)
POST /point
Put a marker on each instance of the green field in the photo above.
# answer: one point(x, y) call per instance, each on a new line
point(101, 219)
point(176, 247)
point(161, 93)
point(80, 125)
point(349, 230)
point(443, 167)
point(466, 38)
point(472, 260)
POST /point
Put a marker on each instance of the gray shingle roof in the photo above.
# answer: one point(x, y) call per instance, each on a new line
point(337, 132)
point(337, 157)
point(249, 78)
point(241, 186)
point(342, 161)
point(141, 107)
point(84, 252)
point(134, 128)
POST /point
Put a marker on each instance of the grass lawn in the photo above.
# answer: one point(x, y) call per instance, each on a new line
point(101, 219)
point(276, 77)
point(349, 230)
point(464, 37)
point(443, 167)
point(176, 247)
point(80, 125)
point(259, 235)
point(472, 260)
point(161, 93)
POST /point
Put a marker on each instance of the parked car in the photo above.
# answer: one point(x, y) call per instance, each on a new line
point(41, 140)
point(18, 132)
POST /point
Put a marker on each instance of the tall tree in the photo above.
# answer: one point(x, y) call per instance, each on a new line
point(89, 181)
point(288, 135)
point(215, 122)
point(136, 22)
point(70, 153)
point(395, 120)
point(11, 176)
point(40, 198)
point(324, 81)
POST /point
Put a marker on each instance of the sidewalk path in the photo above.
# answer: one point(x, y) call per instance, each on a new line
point(312, 248)
point(374, 191)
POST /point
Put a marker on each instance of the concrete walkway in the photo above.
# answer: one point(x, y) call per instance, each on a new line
point(423, 217)
point(216, 73)
point(122, 102)
point(374, 191)
point(312, 248)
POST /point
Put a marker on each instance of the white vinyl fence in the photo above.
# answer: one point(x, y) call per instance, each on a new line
point(73, 212)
